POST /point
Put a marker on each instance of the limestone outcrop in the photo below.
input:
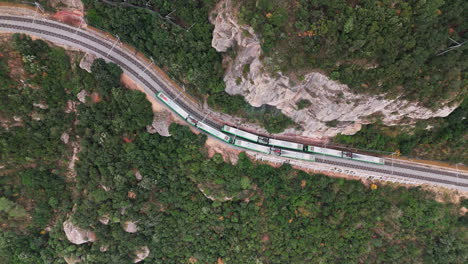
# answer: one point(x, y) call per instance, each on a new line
point(71, 260)
point(160, 124)
point(105, 219)
point(141, 254)
point(130, 227)
point(87, 61)
point(82, 96)
point(67, 4)
point(77, 235)
point(330, 102)
point(65, 137)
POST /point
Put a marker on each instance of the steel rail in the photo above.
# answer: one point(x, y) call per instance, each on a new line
point(419, 168)
point(117, 51)
point(389, 172)
point(167, 90)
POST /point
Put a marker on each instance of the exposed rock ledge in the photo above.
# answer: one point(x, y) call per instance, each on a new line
point(130, 227)
point(77, 235)
point(329, 99)
point(141, 254)
point(160, 125)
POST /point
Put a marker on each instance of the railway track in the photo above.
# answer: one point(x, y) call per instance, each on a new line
point(116, 50)
point(390, 172)
point(74, 33)
point(418, 168)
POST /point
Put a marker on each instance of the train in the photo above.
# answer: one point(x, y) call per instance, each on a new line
point(192, 120)
point(300, 147)
point(273, 150)
point(345, 155)
point(262, 140)
point(247, 140)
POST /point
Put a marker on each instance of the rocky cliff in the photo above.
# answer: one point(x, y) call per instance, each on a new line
point(331, 103)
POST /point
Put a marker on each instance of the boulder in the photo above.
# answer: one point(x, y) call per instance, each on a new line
point(137, 174)
point(77, 235)
point(71, 260)
point(36, 116)
point(87, 61)
point(40, 105)
point(71, 106)
point(130, 227)
point(141, 254)
point(160, 124)
point(82, 96)
point(65, 137)
point(104, 248)
point(104, 219)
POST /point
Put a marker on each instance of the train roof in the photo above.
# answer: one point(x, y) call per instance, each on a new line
point(252, 146)
point(240, 133)
point(213, 131)
point(325, 151)
point(173, 105)
point(286, 144)
point(297, 155)
point(367, 158)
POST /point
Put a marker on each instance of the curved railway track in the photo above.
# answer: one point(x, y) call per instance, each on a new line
point(74, 33)
point(109, 46)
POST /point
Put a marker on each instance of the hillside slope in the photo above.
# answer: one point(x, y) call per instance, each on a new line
point(383, 55)
point(143, 197)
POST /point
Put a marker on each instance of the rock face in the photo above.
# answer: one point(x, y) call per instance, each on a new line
point(137, 174)
point(330, 100)
point(104, 248)
point(104, 219)
point(65, 137)
point(87, 61)
point(141, 254)
point(40, 105)
point(77, 235)
point(67, 4)
point(82, 96)
point(71, 260)
point(130, 227)
point(160, 124)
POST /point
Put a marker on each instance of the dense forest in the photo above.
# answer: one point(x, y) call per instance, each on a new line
point(377, 47)
point(391, 47)
point(177, 34)
point(436, 139)
point(187, 208)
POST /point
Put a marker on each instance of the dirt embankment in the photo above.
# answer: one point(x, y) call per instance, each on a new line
point(213, 146)
point(132, 85)
point(156, 106)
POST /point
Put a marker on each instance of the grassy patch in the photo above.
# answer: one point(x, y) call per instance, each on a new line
point(303, 103)
point(246, 70)
point(332, 123)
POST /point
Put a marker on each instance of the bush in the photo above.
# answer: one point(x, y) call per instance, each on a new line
point(303, 103)
point(269, 117)
point(384, 47)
